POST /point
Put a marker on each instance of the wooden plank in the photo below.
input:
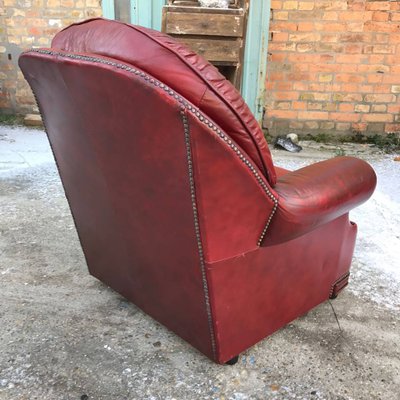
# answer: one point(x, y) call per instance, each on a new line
point(205, 10)
point(214, 50)
point(204, 24)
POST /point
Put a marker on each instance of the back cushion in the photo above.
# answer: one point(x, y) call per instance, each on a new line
point(181, 69)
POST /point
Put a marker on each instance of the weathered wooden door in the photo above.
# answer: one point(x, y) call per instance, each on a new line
point(148, 13)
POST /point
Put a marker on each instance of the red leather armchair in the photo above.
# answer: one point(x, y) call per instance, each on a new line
point(177, 203)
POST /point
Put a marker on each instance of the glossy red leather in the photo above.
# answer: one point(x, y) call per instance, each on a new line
point(176, 215)
point(317, 194)
point(181, 69)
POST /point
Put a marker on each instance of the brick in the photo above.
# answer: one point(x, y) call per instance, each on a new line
point(287, 95)
point(377, 117)
point(92, 3)
point(325, 77)
point(305, 47)
point(344, 117)
point(377, 5)
point(353, 48)
point(393, 108)
point(362, 108)
point(331, 5)
point(350, 78)
point(277, 58)
point(383, 49)
point(368, 88)
point(282, 114)
point(343, 126)
point(350, 97)
point(312, 115)
point(359, 127)
point(300, 86)
point(380, 16)
point(380, 98)
point(381, 38)
point(311, 125)
point(373, 68)
point(304, 37)
point(280, 15)
point(375, 127)
point(330, 16)
point(280, 36)
point(327, 125)
point(354, 37)
point(355, 26)
point(281, 46)
point(377, 108)
point(347, 58)
point(375, 78)
point(276, 4)
point(330, 27)
point(277, 26)
point(330, 38)
point(299, 105)
point(306, 5)
point(305, 27)
point(283, 86)
point(315, 106)
point(67, 3)
point(290, 5)
point(373, 26)
point(283, 105)
point(392, 128)
point(395, 89)
point(353, 16)
point(346, 107)
point(296, 125)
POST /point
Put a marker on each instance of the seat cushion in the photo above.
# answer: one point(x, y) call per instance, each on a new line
point(180, 68)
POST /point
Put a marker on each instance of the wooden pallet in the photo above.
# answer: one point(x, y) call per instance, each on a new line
point(217, 34)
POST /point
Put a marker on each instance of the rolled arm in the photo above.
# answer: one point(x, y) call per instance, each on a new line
point(317, 194)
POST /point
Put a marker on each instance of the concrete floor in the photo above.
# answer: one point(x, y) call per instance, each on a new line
point(65, 335)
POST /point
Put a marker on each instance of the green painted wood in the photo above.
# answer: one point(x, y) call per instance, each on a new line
point(147, 13)
point(255, 57)
point(108, 9)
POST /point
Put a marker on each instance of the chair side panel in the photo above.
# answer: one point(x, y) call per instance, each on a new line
point(118, 140)
point(259, 293)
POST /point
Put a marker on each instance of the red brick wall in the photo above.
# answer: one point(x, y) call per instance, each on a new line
point(334, 66)
point(31, 23)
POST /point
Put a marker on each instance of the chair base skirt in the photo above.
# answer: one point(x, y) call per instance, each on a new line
point(261, 291)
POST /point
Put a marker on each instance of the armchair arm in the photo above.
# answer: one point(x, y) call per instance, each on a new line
point(317, 194)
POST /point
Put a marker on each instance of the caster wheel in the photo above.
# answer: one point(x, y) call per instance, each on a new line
point(232, 361)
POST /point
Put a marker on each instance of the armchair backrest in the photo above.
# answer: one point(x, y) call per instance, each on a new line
point(181, 69)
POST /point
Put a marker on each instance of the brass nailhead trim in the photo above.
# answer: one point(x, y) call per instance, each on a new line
point(186, 129)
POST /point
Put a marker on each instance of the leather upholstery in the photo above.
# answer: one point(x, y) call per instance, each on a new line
point(174, 211)
point(181, 69)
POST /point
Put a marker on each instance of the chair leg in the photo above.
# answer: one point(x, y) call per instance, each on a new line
point(232, 361)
